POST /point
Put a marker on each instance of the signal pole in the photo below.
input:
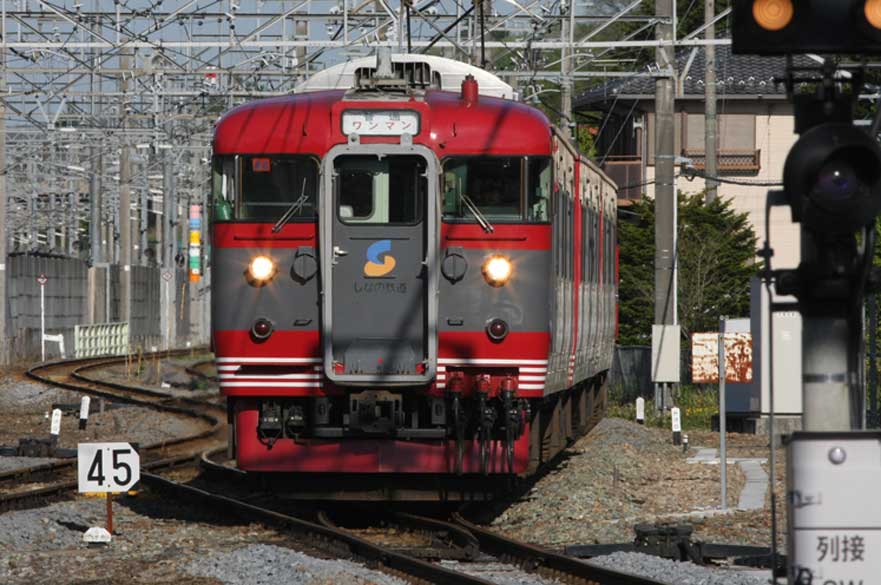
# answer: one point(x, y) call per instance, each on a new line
point(125, 199)
point(665, 336)
point(566, 55)
point(4, 348)
point(710, 145)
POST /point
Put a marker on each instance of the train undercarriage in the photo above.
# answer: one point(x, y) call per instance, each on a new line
point(388, 445)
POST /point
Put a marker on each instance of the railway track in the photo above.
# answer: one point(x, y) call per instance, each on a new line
point(455, 538)
point(51, 480)
point(197, 370)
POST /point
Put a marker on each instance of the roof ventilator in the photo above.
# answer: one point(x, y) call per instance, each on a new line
point(395, 76)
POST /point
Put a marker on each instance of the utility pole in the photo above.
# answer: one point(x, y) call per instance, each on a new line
point(665, 334)
point(4, 333)
point(566, 30)
point(710, 145)
point(125, 198)
point(166, 253)
point(144, 222)
point(95, 204)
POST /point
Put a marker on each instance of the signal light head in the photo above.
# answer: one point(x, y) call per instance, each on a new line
point(772, 15)
point(872, 11)
point(781, 27)
point(832, 178)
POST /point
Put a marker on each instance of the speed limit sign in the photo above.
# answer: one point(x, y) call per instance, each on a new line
point(107, 467)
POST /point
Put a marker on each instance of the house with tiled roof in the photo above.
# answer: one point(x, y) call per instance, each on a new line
point(755, 132)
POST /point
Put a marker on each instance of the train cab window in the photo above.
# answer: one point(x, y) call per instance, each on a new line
point(387, 190)
point(513, 189)
point(270, 185)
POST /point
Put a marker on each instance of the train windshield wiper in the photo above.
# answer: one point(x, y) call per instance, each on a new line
point(481, 219)
point(294, 209)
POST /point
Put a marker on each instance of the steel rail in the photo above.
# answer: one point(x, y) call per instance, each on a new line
point(193, 370)
point(357, 546)
point(150, 399)
point(536, 558)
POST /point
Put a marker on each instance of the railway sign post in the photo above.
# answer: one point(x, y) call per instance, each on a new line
point(55, 426)
point(107, 468)
point(723, 452)
point(42, 280)
point(84, 412)
point(676, 423)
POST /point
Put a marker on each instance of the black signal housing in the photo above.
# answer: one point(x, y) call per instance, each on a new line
point(816, 26)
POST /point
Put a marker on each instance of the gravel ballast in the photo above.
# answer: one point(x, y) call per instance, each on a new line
point(262, 564)
point(499, 573)
point(25, 407)
point(675, 573)
point(619, 475)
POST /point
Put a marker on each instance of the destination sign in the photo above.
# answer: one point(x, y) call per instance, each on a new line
point(380, 122)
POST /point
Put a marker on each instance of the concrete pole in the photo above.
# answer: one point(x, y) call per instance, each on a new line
point(710, 145)
point(169, 242)
point(665, 189)
point(565, 79)
point(95, 204)
point(723, 452)
point(4, 333)
point(144, 222)
point(125, 200)
point(827, 402)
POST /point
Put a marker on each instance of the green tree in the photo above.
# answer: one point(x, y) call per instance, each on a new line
point(716, 259)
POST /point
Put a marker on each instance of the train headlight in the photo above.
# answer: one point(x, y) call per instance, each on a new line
point(497, 270)
point(261, 270)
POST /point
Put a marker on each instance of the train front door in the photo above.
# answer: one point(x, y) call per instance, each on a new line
point(379, 239)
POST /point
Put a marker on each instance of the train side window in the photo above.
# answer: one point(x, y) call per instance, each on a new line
point(222, 187)
point(539, 182)
point(585, 237)
point(271, 184)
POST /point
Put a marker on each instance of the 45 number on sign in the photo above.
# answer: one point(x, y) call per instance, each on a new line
point(107, 467)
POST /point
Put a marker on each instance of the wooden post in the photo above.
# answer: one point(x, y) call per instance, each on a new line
point(109, 498)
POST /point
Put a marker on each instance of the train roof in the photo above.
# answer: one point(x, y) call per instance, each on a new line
point(448, 74)
point(309, 123)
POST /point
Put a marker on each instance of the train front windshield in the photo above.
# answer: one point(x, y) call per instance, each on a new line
point(503, 188)
point(263, 188)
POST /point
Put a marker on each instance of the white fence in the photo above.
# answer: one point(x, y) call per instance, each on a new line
point(101, 339)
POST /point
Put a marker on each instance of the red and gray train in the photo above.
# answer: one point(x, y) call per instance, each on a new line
point(408, 280)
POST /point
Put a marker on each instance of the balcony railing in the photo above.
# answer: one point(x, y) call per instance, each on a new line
point(728, 161)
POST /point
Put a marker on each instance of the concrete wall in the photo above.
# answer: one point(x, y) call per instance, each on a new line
point(774, 131)
point(77, 294)
point(65, 293)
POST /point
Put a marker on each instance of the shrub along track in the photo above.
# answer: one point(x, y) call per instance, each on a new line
point(59, 477)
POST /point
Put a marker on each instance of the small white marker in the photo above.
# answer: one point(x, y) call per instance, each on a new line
point(55, 427)
point(96, 535)
point(677, 425)
point(84, 412)
point(640, 410)
point(153, 348)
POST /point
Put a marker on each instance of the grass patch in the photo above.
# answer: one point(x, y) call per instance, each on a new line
point(697, 405)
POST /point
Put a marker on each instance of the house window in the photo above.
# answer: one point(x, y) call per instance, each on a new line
point(734, 133)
